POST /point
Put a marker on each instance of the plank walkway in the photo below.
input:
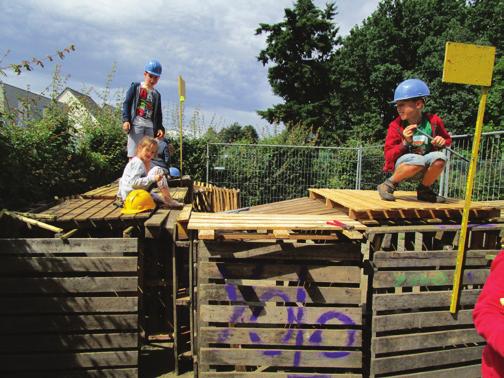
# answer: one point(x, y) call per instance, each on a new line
point(366, 205)
point(274, 226)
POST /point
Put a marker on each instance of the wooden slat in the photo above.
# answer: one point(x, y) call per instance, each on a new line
point(36, 323)
point(254, 221)
point(426, 359)
point(278, 315)
point(427, 278)
point(345, 251)
point(281, 336)
point(452, 372)
point(278, 357)
point(77, 245)
point(41, 362)
point(313, 273)
point(87, 373)
point(259, 374)
point(326, 295)
point(29, 305)
point(383, 302)
point(408, 259)
point(60, 343)
point(415, 320)
point(18, 264)
point(68, 285)
point(399, 343)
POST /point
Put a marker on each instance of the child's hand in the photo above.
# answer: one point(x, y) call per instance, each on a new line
point(408, 132)
point(158, 177)
point(438, 141)
point(126, 126)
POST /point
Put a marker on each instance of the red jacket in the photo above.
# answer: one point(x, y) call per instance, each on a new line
point(394, 147)
point(488, 316)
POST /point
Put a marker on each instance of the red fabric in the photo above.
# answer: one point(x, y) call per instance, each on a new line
point(488, 316)
point(394, 147)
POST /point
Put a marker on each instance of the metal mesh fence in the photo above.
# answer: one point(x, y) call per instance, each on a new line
point(270, 173)
point(489, 182)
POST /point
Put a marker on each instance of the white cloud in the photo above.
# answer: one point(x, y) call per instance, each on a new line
point(212, 44)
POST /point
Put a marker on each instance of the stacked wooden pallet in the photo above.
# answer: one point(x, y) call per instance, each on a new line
point(272, 310)
point(68, 308)
point(367, 205)
point(241, 226)
point(210, 198)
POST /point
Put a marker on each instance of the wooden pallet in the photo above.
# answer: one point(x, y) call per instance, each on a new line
point(110, 192)
point(68, 307)
point(290, 318)
point(299, 206)
point(366, 204)
point(270, 226)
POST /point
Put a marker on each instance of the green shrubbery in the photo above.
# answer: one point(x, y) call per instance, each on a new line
point(49, 157)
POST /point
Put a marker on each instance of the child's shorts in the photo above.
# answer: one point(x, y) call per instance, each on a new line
point(422, 160)
point(135, 134)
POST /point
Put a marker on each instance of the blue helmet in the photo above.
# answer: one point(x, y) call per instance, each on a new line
point(411, 88)
point(153, 67)
point(174, 172)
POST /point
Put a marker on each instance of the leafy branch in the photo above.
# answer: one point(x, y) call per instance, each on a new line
point(29, 65)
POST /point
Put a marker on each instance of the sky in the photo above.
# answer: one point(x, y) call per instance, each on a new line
point(210, 43)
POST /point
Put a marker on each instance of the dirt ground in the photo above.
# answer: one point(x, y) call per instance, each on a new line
point(158, 362)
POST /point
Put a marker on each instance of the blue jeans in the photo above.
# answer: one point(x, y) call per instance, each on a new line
point(424, 161)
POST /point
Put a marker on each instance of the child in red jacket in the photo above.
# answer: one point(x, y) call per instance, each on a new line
point(488, 316)
point(409, 153)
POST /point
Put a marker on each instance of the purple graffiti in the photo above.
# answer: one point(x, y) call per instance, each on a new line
point(293, 317)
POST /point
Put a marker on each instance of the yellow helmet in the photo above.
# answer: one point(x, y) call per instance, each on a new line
point(137, 201)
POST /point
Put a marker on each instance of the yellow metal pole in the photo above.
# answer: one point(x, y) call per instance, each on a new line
point(457, 278)
point(180, 131)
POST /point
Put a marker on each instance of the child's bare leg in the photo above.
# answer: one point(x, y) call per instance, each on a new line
point(405, 171)
point(433, 172)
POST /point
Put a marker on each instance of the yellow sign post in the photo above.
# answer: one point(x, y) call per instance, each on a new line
point(473, 65)
point(182, 94)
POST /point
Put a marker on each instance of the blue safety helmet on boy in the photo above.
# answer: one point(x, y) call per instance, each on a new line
point(153, 67)
point(174, 172)
point(411, 88)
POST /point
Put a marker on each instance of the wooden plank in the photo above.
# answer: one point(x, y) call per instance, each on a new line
point(77, 245)
point(430, 319)
point(426, 359)
point(313, 294)
point(281, 336)
point(342, 251)
point(408, 259)
point(62, 342)
point(452, 372)
point(88, 373)
point(400, 343)
point(41, 362)
point(29, 305)
point(280, 315)
point(81, 210)
point(68, 285)
point(206, 234)
point(312, 273)
point(427, 278)
point(279, 374)
point(384, 302)
point(19, 264)
point(35, 323)
point(279, 357)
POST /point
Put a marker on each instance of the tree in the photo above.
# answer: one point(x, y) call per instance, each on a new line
point(300, 48)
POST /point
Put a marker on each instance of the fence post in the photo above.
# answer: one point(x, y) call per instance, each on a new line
point(207, 161)
point(358, 172)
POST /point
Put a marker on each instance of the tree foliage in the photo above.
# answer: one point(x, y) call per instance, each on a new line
point(400, 40)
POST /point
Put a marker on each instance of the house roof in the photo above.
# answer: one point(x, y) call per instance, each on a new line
point(15, 98)
point(84, 99)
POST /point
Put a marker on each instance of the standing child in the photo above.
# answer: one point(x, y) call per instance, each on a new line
point(408, 153)
point(140, 174)
point(141, 110)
